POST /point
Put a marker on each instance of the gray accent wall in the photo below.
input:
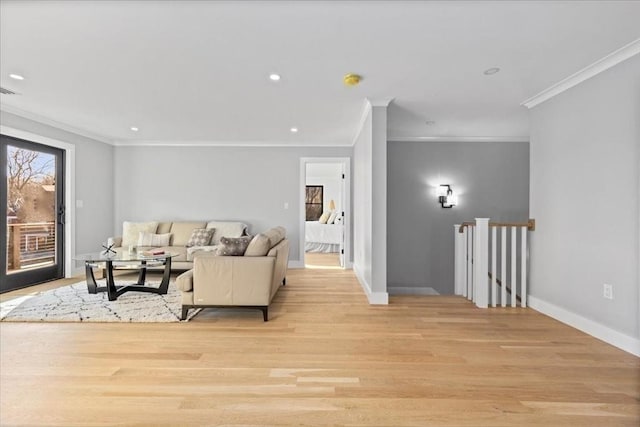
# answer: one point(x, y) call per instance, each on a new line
point(248, 184)
point(93, 181)
point(585, 196)
point(491, 180)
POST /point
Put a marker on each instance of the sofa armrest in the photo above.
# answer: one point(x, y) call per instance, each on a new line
point(232, 280)
point(184, 282)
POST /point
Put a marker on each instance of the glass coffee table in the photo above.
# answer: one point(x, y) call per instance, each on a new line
point(136, 261)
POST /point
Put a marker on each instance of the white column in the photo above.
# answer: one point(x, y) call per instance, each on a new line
point(469, 233)
point(481, 262)
point(459, 261)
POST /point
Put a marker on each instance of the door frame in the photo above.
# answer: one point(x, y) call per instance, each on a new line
point(70, 190)
point(346, 164)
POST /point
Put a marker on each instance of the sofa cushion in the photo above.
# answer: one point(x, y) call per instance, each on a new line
point(275, 235)
point(150, 239)
point(182, 231)
point(226, 229)
point(164, 227)
point(131, 231)
point(259, 246)
point(233, 246)
point(200, 237)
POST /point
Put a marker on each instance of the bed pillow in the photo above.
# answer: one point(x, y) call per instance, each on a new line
point(324, 218)
point(332, 218)
point(233, 246)
point(150, 239)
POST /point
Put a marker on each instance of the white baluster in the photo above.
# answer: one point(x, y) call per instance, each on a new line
point(458, 281)
point(470, 263)
point(503, 267)
point(523, 267)
point(514, 266)
point(494, 272)
point(481, 262)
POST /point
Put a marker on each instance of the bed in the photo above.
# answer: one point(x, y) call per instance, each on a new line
point(322, 237)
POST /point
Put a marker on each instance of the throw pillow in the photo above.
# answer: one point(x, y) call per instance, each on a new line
point(150, 239)
point(259, 246)
point(227, 229)
point(200, 237)
point(332, 218)
point(324, 218)
point(233, 246)
point(131, 231)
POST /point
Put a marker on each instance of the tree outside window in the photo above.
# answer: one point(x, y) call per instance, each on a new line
point(314, 202)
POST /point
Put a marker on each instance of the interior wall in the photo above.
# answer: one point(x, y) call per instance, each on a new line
point(248, 184)
point(491, 180)
point(585, 166)
point(93, 181)
point(330, 177)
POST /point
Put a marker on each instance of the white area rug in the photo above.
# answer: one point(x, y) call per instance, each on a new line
point(74, 303)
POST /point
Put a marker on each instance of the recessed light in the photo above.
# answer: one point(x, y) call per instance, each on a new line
point(491, 71)
point(275, 77)
point(16, 76)
point(135, 129)
point(293, 130)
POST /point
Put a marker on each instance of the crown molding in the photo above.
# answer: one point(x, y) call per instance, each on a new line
point(178, 143)
point(54, 123)
point(458, 139)
point(586, 73)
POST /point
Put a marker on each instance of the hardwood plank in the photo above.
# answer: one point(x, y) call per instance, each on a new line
point(326, 357)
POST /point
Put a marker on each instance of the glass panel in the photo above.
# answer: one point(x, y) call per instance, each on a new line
point(31, 209)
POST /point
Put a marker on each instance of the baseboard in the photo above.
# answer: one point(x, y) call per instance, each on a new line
point(411, 290)
point(595, 329)
point(295, 263)
point(373, 297)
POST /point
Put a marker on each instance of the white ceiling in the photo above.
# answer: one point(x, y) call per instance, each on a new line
point(197, 71)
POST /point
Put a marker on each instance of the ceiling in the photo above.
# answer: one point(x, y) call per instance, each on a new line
point(197, 71)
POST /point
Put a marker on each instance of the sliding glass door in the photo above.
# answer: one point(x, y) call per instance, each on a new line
point(32, 201)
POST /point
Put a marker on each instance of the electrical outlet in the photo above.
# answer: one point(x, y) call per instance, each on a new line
point(607, 291)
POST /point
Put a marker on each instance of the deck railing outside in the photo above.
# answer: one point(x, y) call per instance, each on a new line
point(30, 244)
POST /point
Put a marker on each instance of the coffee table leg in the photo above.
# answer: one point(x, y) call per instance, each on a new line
point(92, 286)
point(142, 276)
point(164, 285)
point(112, 292)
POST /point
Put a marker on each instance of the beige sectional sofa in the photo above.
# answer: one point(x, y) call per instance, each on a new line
point(176, 234)
point(249, 281)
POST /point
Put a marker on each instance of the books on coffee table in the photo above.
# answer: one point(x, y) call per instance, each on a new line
point(152, 252)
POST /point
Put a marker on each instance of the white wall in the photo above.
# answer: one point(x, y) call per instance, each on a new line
point(370, 204)
point(93, 181)
point(328, 175)
point(249, 184)
point(585, 167)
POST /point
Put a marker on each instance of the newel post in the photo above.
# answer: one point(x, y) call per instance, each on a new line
point(460, 241)
point(481, 262)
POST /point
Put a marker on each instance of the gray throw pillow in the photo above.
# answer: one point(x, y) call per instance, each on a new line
point(233, 246)
point(200, 237)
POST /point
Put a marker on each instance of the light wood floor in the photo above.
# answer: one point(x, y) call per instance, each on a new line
point(326, 357)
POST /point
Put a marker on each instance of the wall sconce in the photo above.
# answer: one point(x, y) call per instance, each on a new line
point(446, 198)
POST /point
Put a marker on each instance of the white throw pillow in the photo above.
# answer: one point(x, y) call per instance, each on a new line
point(332, 218)
point(131, 231)
point(150, 239)
point(226, 229)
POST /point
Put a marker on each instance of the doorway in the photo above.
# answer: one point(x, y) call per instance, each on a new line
point(32, 194)
point(325, 213)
